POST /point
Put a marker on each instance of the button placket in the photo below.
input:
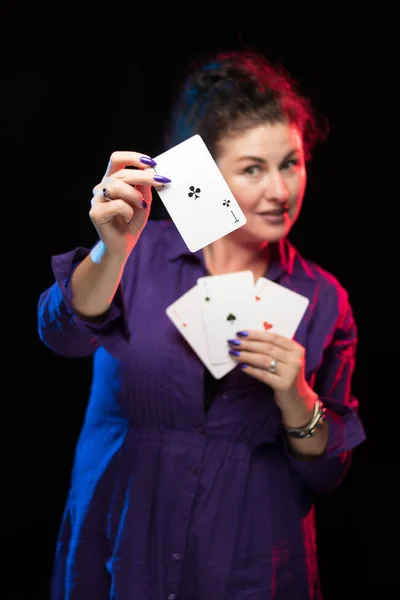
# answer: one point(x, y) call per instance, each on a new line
point(184, 515)
point(184, 508)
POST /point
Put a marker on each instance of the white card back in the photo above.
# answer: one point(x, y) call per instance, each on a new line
point(198, 199)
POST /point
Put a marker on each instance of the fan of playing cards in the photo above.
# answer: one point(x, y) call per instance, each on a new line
point(217, 307)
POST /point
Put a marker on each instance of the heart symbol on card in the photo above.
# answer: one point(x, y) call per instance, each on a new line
point(258, 298)
point(267, 325)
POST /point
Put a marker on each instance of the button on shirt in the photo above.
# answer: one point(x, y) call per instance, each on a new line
point(184, 487)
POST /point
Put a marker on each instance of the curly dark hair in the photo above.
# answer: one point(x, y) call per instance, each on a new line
point(231, 91)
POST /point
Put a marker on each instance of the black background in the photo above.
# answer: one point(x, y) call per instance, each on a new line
point(79, 81)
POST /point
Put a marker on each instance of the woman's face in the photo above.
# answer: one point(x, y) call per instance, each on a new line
point(264, 166)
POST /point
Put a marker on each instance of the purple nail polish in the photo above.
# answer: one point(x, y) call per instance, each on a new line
point(234, 342)
point(148, 161)
point(243, 333)
point(161, 179)
point(243, 365)
point(144, 204)
point(234, 352)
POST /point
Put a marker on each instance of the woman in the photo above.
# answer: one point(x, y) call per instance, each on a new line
point(186, 487)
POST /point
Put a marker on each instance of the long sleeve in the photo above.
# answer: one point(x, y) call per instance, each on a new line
point(62, 330)
point(332, 383)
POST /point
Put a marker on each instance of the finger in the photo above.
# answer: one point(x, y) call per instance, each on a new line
point(104, 212)
point(245, 344)
point(261, 361)
point(145, 191)
point(118, 189)
point(268, 336)
point(120, 159)
point(261, 375)
point(141, 177)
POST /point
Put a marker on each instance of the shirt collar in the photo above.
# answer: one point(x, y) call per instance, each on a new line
point(285, 259)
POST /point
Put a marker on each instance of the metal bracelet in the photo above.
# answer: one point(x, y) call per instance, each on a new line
point(317, 420)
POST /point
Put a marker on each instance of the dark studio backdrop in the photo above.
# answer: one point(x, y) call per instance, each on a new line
point(79, 82)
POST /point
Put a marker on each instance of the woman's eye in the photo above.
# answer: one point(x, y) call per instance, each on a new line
point(289, 164)
point(252, 169)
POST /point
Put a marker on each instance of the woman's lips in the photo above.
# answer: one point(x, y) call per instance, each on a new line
point(274, 217)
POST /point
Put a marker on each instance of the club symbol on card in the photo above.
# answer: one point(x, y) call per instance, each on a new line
point(231, 318)
point(228, 203)
point(194, 191)
point(207, 298)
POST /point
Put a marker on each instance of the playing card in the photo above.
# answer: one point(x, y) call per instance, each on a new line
point(185, 314)
point(198, 198)
point(279, 309)
point(227, 304)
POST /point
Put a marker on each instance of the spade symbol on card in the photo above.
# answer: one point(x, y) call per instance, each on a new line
point(231, 318)
point(194, 192)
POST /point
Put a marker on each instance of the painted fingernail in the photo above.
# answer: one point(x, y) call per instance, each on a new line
point(148, 161)
point(144, 204)
point(234, 352)
point(234, 342)
point(243, 365)
point(161, 179)
point(243, 333)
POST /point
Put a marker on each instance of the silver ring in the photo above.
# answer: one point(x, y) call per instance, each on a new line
point(272, 367)
point(106, 194)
